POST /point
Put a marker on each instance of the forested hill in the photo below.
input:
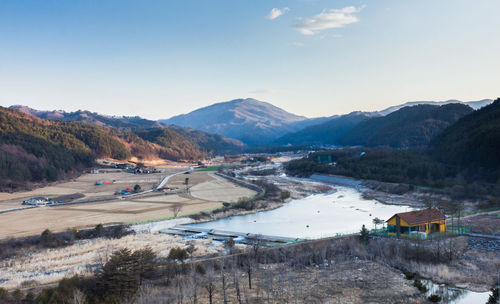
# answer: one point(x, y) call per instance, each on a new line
point(33, 149)
point(119, 122)
point(36, 150)
point(185, 143)
point(326, 133)
point(407, 127)
point(473, 141)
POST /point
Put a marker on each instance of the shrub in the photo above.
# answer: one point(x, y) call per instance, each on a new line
point(99, 230)
point(494, 297)
point(47, 239)
point(17, 295)
point(434, 298)
point(4, 294)
point(30, 297)
point(417, 283)
point(177, 253)
point(284, 195)
point(200, 269)
point(364, 235)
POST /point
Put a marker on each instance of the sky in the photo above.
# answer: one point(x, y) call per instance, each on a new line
point(315, 58)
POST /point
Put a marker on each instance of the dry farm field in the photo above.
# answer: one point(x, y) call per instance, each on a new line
point(207, 192)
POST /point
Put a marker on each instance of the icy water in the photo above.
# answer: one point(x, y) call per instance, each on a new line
point(316, 216)
point(450, 295)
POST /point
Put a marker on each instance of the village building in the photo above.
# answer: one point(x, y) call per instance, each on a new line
point(422, 222)
point(36, 201)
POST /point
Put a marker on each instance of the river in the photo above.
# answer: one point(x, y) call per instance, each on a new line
point(316, 216)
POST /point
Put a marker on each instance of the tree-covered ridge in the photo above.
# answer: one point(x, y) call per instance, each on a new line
point(209, 143)
point(173, 146)
point(119, 122)
point(473, 141)
point(408, 127)
point(326, 133)
point(465, 158)
point(34, 149)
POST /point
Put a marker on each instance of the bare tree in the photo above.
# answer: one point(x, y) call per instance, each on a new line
point(176, 209)
point(236, 282)
point(377, 221)
point(209, 283)
point(223, 278)
point(78, 297)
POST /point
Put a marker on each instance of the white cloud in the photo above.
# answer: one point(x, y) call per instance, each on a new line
point(276, 12)
point(327, 19)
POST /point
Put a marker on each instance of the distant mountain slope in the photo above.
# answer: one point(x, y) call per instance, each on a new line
point(326, 133)
point(33, 149)
point(251, 121)
point(200, 141)
point(473, 104)
point(121, 122)
point(208, 142)
point(407, 127)
point(474, 140)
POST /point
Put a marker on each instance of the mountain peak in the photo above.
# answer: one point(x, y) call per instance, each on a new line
point(247, 119)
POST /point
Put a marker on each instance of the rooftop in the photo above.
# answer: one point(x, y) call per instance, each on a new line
point(421, 216)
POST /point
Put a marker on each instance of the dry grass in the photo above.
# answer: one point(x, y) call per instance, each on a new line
point(208, 193)
point(353, 281)
point(219, 189)
point(83, 257)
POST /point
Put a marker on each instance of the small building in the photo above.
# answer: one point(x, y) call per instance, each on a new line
point(36, 201)
point(425, 222)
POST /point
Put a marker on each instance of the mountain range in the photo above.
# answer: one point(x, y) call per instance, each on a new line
point(258, 123)
point(473, 104)
point(45, 145)
point(325, 133)
point(413, 126)
point(249, 120)
point(204, 142)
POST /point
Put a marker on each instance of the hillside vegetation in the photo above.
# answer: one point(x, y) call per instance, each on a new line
point(173, 146)
point(408, 127)
point(473, 142)
point(465, 158)
point(203, 142)
point(32, 149)
point(37, 150)
point(326, 133)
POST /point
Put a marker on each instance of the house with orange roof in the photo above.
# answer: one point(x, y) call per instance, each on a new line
point(425, 221)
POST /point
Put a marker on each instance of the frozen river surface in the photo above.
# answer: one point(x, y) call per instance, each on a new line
point(316, 216)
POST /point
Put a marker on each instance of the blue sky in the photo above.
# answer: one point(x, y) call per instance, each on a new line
point(311, 57)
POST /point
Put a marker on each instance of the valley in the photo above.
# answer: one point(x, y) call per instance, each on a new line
point(254, 216)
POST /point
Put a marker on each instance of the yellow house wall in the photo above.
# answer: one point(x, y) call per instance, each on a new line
point(442, 224)
point(392, 221)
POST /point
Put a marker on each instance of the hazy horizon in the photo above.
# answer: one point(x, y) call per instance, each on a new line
point(299, 114)
point(312, 58)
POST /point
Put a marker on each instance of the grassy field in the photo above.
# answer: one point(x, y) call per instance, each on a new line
point(213, 168)
point(207, 193)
